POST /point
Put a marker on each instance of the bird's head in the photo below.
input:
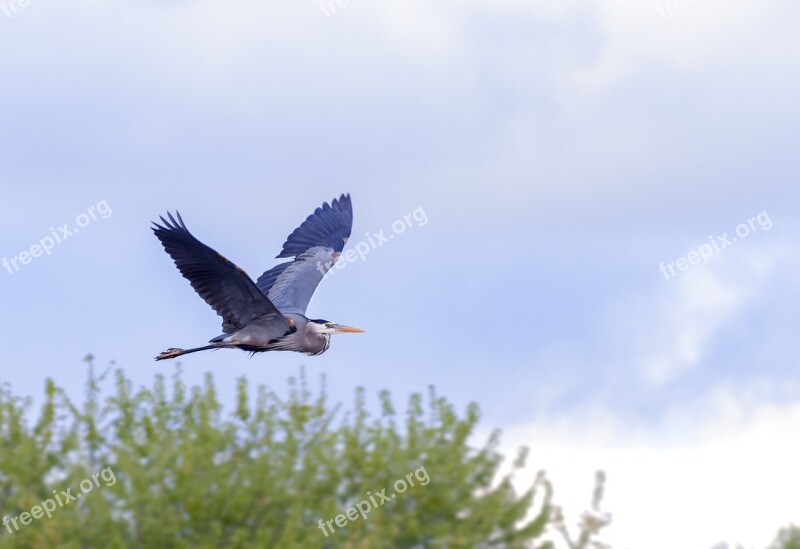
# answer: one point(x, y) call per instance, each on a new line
point(327, 327)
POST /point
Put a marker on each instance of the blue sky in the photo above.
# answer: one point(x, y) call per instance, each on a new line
point(561, 151)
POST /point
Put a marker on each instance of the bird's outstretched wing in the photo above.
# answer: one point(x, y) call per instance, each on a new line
point(223, 285)
point(315, 246)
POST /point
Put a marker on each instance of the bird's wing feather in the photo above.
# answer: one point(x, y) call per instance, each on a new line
point(316, 245)
point(223, 285)
point(328, 226)
point(290, 285)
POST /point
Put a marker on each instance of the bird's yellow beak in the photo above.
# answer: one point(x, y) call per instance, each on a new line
point(340, 329)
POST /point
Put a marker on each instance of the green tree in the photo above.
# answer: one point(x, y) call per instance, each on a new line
point(787, 538)
point(267, 474)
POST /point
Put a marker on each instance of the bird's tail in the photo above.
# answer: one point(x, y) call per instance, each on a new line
point(173, 352)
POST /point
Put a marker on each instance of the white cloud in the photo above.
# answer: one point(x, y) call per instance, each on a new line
point(721, 469)
point(529, 94)
point(674, 330)
point(685, 322)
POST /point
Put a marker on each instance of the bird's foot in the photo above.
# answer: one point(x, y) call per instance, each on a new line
point(172, 352)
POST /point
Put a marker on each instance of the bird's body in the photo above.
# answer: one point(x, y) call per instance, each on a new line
point(268, 315)
point(302, 334)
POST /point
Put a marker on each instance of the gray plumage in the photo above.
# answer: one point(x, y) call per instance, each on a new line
point(268, 315)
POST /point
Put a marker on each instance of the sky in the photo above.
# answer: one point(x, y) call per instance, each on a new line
point(601, 201)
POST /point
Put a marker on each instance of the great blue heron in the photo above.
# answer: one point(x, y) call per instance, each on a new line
point(270, 314)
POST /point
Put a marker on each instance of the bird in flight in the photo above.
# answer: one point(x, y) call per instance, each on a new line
point(269, 314)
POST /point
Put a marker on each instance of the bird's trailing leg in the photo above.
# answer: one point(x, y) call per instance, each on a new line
point(172, 352)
